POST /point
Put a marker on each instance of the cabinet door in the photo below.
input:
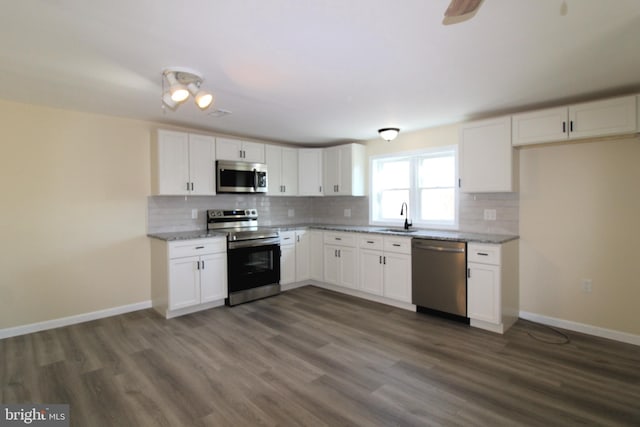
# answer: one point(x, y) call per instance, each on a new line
point(331, 171)
point(202, 164)
point(303, 261)
point(316, 255)
point(600, 118)
point(228, 149)
point(289, 171)
point(397, 276)
point(330, 256)
point(486, 156)
point(253, 152)
point(213, 277)
point(483, 292)
point(371, 273)
point(344, 170)
point(184, 282)
point(172, 163)
point(273, 158)
point(348, 267)
point(287, 264)
point(540, 126)
point(310, 172)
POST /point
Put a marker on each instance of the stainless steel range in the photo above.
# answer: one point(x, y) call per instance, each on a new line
point(253, 254)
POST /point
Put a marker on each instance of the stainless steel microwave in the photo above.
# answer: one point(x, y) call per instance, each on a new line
point(240, 177)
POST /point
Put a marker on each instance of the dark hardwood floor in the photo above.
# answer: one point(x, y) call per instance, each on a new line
point(315, 357)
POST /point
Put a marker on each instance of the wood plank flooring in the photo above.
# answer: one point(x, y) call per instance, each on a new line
point(314, 357)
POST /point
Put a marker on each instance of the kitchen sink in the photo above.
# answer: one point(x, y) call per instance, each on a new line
point(396, 230)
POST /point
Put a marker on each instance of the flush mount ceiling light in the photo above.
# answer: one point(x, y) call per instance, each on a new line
point(180, 83)
point(389, 134)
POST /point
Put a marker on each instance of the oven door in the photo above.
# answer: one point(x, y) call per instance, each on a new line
point(251, 265)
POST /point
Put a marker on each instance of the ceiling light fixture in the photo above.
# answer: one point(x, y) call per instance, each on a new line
point(389, 134)
point(181, 83)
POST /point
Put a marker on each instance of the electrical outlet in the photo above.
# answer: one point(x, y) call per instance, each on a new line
point(291, 213)
point(347, 213)
point(194, 213)
point(490, 214)
point(587, 286)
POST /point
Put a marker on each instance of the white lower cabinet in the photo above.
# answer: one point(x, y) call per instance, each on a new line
point(303, 255)
point(483, 292)
point(397, 276)
point(316, 255)
point(371, 271)
point(188, 275)
point(385, 266)
point(492, 285)
point(287, 257)
point(295, 256)
point(340, 261)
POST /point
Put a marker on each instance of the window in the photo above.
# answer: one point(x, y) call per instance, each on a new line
point(425, 180)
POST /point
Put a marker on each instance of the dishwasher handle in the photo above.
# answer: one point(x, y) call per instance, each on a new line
point(438, 248)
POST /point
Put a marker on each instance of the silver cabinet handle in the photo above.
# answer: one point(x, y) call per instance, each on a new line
point(468, 273)
point(396, 244)
point(203, 265)
point(371, 242)
point(380, 260)
point(384, 260)
point(482, 254)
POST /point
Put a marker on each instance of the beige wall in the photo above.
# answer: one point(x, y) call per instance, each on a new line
point(73, 216)
point(579, 219)
point(416, 140)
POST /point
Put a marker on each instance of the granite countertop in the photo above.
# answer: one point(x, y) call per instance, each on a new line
point(187, 235)
point(414, 232)
point(394, 231)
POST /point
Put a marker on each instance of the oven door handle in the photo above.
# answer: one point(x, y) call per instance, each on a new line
point(252, 243)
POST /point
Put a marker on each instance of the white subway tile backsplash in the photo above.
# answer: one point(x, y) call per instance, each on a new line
point(173, 213)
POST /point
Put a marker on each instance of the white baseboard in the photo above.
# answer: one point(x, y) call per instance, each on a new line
point(72, 320)
point(582, 328)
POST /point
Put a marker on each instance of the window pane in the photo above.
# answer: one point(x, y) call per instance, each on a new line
point(391, 202)
point(394, 174)
point(437, 172)
point(437, 204)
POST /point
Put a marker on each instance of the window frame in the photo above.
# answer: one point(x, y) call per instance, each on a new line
point(414, 190)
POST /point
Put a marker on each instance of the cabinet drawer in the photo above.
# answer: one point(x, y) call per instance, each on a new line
point(371, 242)
point(344, 239)
point(197, 247)
point(485, 254)
point(287, 238)
point(401, 245)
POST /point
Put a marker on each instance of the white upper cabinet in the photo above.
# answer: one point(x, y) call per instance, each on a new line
point(486, 157)
point(182, 164)
point(601, 118)
point(344, 170)
point(235, 149)
point(540, 126)
point(310, 172)
point(614, 116)
point(282, 165)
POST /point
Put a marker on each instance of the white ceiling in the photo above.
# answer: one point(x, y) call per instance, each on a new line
point(321, 71)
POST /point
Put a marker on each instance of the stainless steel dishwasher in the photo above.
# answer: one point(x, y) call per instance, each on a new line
point(439, 277)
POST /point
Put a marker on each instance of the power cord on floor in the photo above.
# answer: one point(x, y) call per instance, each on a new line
point(565, 337)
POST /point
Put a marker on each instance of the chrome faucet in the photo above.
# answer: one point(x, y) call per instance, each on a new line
point(404, 209)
